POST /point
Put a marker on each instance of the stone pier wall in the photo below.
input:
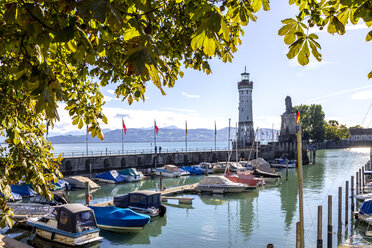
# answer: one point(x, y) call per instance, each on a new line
point(82, 165)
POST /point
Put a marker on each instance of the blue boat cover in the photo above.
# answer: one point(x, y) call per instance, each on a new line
point(366, 207)
point(112, 175)
point(119, 217)
point(192, 170)
point(23, 190)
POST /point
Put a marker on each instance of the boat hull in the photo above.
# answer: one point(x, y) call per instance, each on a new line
point(66, 240)
point(220, 190)
point(120, 229)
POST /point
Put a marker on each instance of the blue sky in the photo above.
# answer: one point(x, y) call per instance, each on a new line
point(339, 83)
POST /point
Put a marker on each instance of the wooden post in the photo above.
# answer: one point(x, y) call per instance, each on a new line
point(356, 183)
point(87, 194)
point(330, 227)
point(352, 195)
point(286, 170)
point(298, 235)
point(339, 230)
point(314, 156)
point(320, 240)
point(300, 188)
point(360, 190)
point(346, 204)
point(206, 169)
point(363, 179)
point(161, 181)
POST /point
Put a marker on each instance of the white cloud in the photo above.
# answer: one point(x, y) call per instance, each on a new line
point(190, 96)
point(362, 95)
point(356, 27)
point(179, 109)
point(107, 98)
point(111, 92)
point(324, 97)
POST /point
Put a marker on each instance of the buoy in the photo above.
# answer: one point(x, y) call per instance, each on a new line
point(162, 210)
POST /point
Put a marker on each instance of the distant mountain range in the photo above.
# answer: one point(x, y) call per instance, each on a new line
point(167, 134)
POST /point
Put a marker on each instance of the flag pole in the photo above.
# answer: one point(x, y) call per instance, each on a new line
point(86, 140)
point(228, 143)
point(215, 136)
point(155, 144)
point(122, 137)
point(236, 142)
point(186, 134)
point(300, 181)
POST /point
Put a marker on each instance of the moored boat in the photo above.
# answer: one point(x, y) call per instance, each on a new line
point(203, 166)
point(219, 167)
point(365, 211)
point(246, 178)
point(111, 176)
point(363, 197)
point(183, 172)
point(218, 184)
point(193, 170)
point(119, 219)
point(132, 175)
point(79, 182)
point(168, 170)
point(142, 201)
point(61, 185)
point(23, 190)
point(69, 224)
point(282, 163)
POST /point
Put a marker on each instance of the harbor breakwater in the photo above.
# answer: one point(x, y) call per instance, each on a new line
point(93, 164)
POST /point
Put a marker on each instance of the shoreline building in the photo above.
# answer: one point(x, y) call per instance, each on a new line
point(245, 125)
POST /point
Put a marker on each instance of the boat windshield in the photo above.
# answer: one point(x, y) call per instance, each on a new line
point(85, 221)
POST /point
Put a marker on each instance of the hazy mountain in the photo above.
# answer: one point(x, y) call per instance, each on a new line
point(169, 134)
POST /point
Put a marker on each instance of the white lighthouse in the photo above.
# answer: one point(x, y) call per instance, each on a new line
point(245, 126)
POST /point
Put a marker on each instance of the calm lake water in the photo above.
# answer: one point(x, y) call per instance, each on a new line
point(251, 219)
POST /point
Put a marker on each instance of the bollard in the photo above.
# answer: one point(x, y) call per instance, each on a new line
point(161, 181)
point(329, 236)
point(363, 179)
point(346, 204)
point(320, 240)
point(352, 195)
point(339, 230)
point(356, 183)
point(88, 197)
point(360, 190)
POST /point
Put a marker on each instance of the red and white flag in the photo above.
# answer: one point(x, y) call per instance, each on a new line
point(156, 127)
point(124, 127)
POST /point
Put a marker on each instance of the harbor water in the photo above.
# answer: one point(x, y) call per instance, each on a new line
point(251, 219)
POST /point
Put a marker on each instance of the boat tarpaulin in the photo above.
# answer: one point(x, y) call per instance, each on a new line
point(23, 190)
point(112, 175)
point(119, 217)
point(366, 207)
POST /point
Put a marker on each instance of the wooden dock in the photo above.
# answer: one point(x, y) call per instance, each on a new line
point(164, 193)
point(11, 243)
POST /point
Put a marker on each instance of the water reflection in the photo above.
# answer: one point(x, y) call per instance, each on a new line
point(153, 229)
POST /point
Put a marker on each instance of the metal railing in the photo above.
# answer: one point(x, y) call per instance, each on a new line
point(136, 152)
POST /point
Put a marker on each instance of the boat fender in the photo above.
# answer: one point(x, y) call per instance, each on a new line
point(53, 235)
point(162, 210)
point(90, 197)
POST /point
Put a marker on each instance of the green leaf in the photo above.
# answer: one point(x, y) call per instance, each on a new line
point(289, 38)
point(198, 40)
point(256, 5)
point(72, 45)
point(209, 46)
point(370, 75)
point(225, 30)
point(284, 30)
point(369, 36)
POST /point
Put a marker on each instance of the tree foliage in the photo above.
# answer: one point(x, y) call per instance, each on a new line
point(332, 15)
point(335, 131)
point(64, 51)
point(312, 121)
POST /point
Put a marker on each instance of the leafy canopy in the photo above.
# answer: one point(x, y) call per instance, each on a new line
point(312, 121)
point(333, 15)
point(64, 51)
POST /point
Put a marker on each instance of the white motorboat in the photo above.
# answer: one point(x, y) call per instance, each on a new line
point(363, 197)
point(69, 224)
point(219, 184)
point(168, 170)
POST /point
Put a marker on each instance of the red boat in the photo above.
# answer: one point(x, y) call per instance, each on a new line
point(244, 177)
